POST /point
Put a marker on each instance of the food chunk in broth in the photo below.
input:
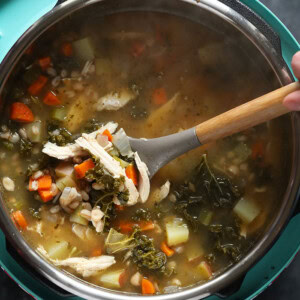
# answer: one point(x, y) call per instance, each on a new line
point(79, 194)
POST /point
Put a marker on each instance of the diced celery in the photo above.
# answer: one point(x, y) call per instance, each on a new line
point(59, 114)
point(75, 217)
point(177, 232)
point(84, 49)
point(246, 210)
point(59, 250)
point(103, 66)
point(204, 271)
point(64, 169)
point(112, 279)
point(63, 182)
point(122, 162)
point(35, 131)
point(205, 216)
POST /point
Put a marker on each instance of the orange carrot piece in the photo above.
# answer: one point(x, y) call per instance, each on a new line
point(126, 226)
point(122, 279)
point(119, 207)
point(35, 88)
point(146, 225)
point(67, 49)
point(82, 168)
point(45, 62)
point(147, 287)
point(159, 96)
point(166, 249)
point(108, 134)
point(96, 252)
point(20, 112)
point(132, 173)
point(46, 195)
point(19, 219)
point(137, 49)
point(44, 183)
point(257, 150)
point(51, 99)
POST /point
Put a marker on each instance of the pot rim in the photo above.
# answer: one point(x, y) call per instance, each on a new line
point(82, 288)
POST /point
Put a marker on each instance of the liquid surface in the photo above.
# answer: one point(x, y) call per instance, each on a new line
point(172, 74)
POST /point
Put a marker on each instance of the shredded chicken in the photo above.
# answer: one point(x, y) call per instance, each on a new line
point(36, 228)
point(96, 218)
point(63, 152)
point(114, 101)
point(144, 182)
point(73, 150)
point(84, 266)
point(83, 232)
point(160, 194)
point(70, 199)
point(110, 164)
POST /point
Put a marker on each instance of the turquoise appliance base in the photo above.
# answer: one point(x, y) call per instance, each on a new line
point(264, 272)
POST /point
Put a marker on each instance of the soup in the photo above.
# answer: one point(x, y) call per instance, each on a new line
point(79, 194)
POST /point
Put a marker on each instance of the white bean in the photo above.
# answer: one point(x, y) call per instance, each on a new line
point(55, 209)
point(37, 174)
point(136, 279)
point(8, 184)
point(55, 81)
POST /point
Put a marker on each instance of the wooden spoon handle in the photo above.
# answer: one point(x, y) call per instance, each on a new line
point(247, 115)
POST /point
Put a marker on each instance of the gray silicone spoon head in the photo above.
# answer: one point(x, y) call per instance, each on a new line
point(156, 153)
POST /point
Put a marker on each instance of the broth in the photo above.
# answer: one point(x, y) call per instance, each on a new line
point(176, 74)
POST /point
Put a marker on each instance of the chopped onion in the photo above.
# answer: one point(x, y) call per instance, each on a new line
point(121, 141)
point(102, 140)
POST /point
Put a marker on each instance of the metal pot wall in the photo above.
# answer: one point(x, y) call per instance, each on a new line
point(230, 14)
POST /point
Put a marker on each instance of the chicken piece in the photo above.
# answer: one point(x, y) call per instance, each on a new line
point(63, 152)
point(36, 228)
point(115, 101)
point(72, 150)
point(161, 193)
point(144, 182)
point(83, 232)
point(70, 199)
point(84, 266)
point(96, 218)
point(110, 164)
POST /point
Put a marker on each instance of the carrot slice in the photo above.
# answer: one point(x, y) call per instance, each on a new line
point(19, 219)
point(20, 112)
point(132, 173)
point(137, 49)
point(127, 226)
point(83, 168)
point(37, 86)
point(147, 287)
point(44, 183)
point(146, 225)
point(122, 279)
point(45, 62)
point(96, 252)
point(46, 195)
point(166, 249)
point(108, 134)
point(119, 207)
point(159, 96)
point(51, 99)
point(67, 49)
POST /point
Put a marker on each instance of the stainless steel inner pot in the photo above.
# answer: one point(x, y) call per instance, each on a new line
point(218, 16)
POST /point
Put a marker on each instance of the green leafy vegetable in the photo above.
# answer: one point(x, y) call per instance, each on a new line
point(25, 147)
point(58, 135)
point(145, 256)
point(211, 192)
